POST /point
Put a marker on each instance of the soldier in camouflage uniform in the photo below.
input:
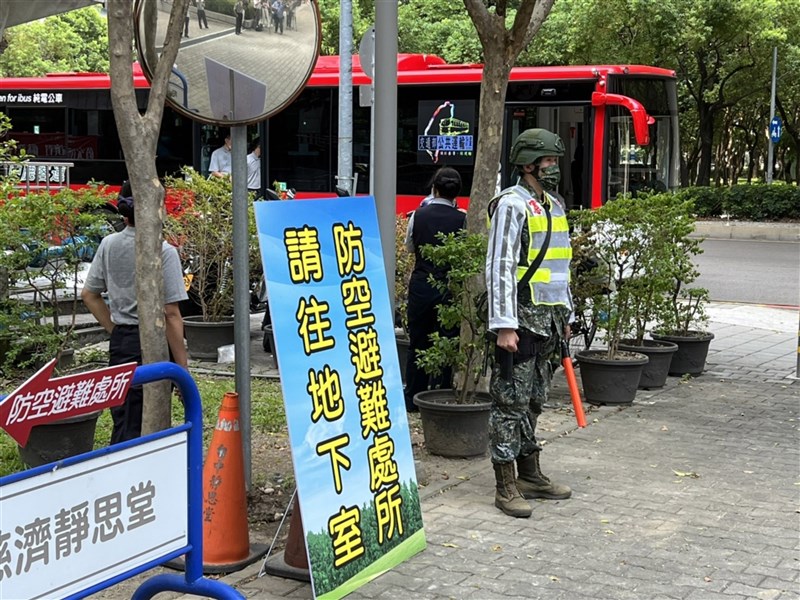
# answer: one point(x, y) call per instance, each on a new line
point(530, 321)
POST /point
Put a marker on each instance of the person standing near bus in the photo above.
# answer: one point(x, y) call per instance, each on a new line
point(113, 270)
point(254, 168)
point(439, 215)
point(278, 10)
point(220, 164)
point(238, 11)
point(530, 322)
point(201, 14)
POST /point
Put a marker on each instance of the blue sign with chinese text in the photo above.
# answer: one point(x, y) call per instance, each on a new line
point(775, 129)
point(336, 350)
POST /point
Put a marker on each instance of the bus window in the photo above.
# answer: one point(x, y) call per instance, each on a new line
point(302, 147)
point(633, 168)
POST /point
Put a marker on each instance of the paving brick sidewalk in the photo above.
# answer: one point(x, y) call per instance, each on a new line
point(690, 493)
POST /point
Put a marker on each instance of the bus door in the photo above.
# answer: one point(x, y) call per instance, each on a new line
point(570, 122)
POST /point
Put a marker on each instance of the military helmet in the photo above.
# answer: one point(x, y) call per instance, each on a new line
point(533, 144)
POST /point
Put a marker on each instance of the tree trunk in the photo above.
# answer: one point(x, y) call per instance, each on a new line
point(490, 140)
point(138, 135)
point(706, 115)
point(501, 48)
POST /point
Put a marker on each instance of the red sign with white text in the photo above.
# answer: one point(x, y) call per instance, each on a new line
point(42, 400)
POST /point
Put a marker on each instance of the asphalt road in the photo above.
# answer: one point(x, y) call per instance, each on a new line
point(756, 272)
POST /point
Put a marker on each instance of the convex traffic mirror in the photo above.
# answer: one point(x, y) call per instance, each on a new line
point(225, 77)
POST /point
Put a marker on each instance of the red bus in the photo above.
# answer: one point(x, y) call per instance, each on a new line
point(619, 124)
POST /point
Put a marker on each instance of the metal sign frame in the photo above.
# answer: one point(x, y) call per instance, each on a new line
point(192, 581)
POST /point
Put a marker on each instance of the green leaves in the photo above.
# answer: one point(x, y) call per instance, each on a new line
point(644, 263)
point(464, 255)
point(73, 41)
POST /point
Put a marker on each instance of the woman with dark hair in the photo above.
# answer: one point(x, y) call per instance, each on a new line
point(439, 215)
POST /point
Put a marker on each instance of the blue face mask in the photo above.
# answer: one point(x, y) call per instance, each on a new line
point(550, 177)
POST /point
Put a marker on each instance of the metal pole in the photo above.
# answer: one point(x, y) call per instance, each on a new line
point(241, 288)
point(385, 141)
point(345, 175)
point(770, 162)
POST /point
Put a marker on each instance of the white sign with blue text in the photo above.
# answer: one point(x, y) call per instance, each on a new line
point(336, 349)
point(66, 530)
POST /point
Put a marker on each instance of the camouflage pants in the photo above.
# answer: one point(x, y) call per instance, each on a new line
point(517, 404)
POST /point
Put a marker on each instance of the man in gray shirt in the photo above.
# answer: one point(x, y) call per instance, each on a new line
point(220, 165)
point(113, 269)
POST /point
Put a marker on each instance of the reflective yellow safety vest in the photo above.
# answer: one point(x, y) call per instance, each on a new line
point(550, 282)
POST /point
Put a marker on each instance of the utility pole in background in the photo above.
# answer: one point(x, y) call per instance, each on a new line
point(385, 140)
point(773, 124)
point(344, 179)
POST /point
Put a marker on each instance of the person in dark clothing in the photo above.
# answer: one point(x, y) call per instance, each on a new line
point(439, 215)
point(278, 12)
point(201, 14)
point(238, 11)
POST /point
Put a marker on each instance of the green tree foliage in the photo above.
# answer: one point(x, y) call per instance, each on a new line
point(722, 53)
point(46, 237)
point(320, 544)
point(441, 28)
point(363, 18)
point(72, 41)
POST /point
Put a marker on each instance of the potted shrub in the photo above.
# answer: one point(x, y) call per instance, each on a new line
point(682, 317)
point(455, 422)
point(202, 229)
point(615, 239)
point(666, 222)
point(49, 239)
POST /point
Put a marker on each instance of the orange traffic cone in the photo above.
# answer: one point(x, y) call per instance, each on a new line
point(292, 563)
point(226, 540)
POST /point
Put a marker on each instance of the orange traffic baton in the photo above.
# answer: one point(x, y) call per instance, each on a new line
point(566, 361)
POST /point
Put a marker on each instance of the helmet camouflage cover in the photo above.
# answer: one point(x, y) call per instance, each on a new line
point(533, 144)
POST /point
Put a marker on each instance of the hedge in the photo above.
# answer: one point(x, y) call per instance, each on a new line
point(754, 202)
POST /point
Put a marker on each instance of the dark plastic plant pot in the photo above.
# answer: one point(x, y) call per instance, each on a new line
point(654, 373)
point(610, 382)
point(692, 351)
point(403, 344)
point(203, 339)
point(269, 344)
point(452, 429)
point(59, 440)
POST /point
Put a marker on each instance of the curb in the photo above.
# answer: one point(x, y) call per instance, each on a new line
point(747, 230)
